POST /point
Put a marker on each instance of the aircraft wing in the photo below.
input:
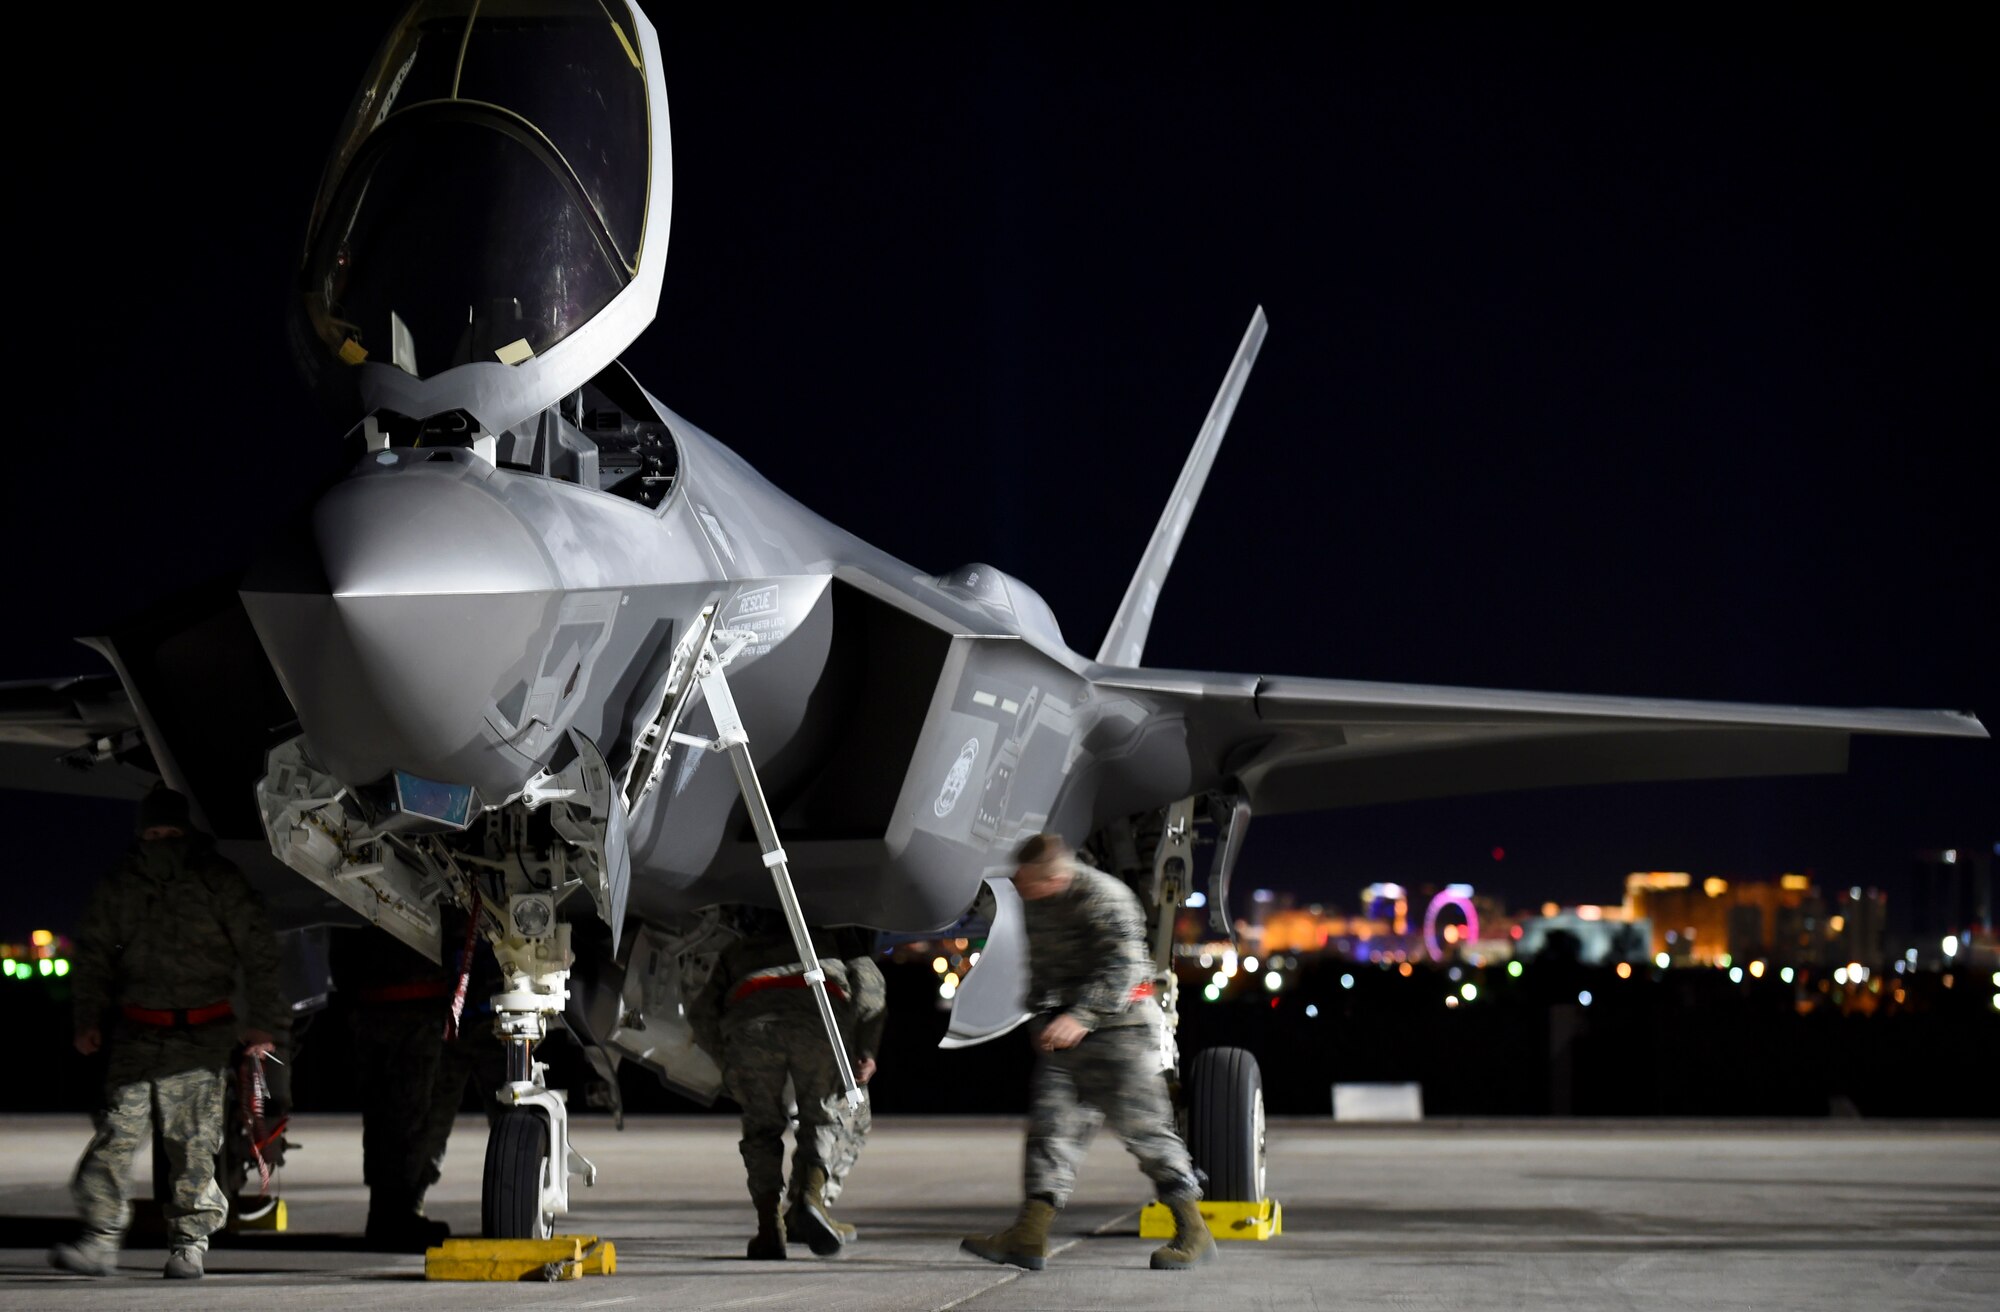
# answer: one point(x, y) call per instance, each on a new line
point(77, 735)
point(1310, 744)
point(192, 700)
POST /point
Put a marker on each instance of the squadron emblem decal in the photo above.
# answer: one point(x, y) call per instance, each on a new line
point(954, 782)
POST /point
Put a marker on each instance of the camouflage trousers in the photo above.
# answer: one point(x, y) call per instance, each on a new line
point(757, 1060)
point(413, 1084)
point(850, 1137)
point(1114, 1076)
point(189, 1107)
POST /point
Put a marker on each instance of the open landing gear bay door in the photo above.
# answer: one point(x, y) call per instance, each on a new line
point(994, 997)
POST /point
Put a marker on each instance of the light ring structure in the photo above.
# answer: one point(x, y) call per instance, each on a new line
point(1454, 895)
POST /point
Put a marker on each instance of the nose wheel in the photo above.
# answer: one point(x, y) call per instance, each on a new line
point(517, 1163)
point(529, 1159)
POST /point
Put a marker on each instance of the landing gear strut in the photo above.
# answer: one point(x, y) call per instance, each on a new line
point(528, 1155)
point(1221, 1089)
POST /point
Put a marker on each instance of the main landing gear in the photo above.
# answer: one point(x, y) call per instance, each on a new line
point(1224, 1096)
point(1220, 1090)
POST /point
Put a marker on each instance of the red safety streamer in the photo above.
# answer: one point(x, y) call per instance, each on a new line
point(464, 969)
point(254, 1095)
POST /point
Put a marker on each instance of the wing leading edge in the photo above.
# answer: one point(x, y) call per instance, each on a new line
point(1309, 744)
point(77, 735)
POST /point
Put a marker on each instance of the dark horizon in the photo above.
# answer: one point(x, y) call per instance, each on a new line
point(1640, 354)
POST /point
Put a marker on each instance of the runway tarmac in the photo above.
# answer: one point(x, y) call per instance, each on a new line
point(1528, 1215)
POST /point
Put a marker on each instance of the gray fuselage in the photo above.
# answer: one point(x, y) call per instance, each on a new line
point(465, 617)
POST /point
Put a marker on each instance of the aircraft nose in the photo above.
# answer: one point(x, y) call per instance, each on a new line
point(408, 624)
point(431, 529)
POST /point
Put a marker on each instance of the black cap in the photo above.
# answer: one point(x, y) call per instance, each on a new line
point(162, 807)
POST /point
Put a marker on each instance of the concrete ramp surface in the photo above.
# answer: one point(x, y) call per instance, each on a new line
point(1528, 1215)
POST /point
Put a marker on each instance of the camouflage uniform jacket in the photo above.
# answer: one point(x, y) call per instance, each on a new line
point(1087, 952)
point(869, 1002)
point(168, 929)
point(714, 1014)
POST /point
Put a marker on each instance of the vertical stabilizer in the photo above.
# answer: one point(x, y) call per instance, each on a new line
point(1126, 640)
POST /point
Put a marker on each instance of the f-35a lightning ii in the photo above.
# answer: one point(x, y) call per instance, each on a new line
point(554, 654)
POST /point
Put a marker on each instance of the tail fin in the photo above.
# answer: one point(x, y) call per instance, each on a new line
point(1127, 636)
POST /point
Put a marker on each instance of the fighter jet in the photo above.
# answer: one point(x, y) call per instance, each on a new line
point(552, 653)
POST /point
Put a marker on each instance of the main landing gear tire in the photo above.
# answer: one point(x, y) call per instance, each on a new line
point(510, 1196)
point(1225, 1119)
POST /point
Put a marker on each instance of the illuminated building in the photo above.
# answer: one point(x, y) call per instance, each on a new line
point(1390, 901)
point(1295, 929)
point(1700, 922)
point(1313, 929)
point(1945, 892)
point(1863, 916)
point(1749, 933)
point(1597, 935)
point(1799, 931)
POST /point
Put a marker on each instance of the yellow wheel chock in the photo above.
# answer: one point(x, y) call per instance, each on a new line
point(1260, 1220)
point(563, 1257)
point(267, 1214)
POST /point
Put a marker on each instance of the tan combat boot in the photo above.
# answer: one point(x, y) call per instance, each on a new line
point(184, 1264)
point(1024, 1244)
point(1192, 1244)
point(795, 1225)
point(814, 1218)
point(768, 1244)
point(92, 1255)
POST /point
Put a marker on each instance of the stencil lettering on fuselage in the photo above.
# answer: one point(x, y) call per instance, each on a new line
point(757, 610)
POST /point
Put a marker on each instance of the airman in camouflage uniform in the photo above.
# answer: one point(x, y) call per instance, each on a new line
point(757, 1015)
point(413, 1077)
point(864, 1016)
point(1097, 1037)
point(159, 948)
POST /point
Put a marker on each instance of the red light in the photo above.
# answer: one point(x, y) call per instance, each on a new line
point(1516, 931)
point(1499, 854)
point(1274, 1004)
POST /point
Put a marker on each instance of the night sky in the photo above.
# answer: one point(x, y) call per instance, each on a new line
point(1632, 353)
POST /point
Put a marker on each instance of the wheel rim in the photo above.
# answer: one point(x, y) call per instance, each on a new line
point(1257, 1142)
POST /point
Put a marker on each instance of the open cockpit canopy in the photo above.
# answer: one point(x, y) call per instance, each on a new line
point(497, 197)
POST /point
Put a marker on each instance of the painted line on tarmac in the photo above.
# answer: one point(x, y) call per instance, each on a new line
point(1015, 1273)
point(754, 1299)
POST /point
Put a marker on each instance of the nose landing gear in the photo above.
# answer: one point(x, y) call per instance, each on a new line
point(517, 1160)
point(528, 1156)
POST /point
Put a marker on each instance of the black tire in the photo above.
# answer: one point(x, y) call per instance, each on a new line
point(510, 1197)
point(1225, 1119)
